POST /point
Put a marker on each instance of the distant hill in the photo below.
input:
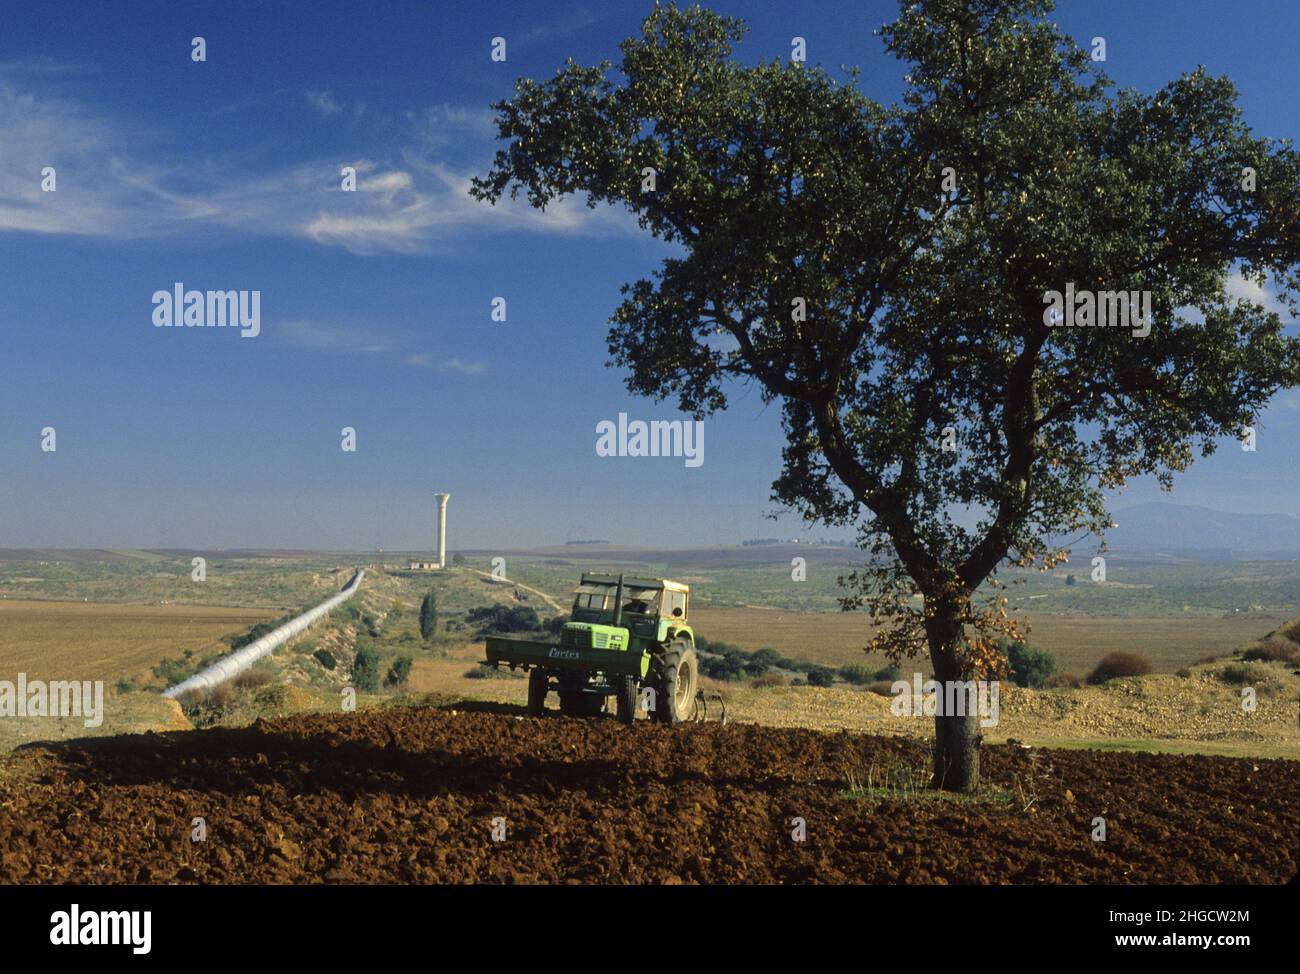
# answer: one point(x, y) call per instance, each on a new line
point(1201, 532)
point(679, 559)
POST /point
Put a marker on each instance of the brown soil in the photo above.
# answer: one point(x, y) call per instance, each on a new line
point(410, 795)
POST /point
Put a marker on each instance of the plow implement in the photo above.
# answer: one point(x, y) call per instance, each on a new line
point(709, 705)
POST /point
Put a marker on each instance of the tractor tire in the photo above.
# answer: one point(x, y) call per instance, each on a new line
point(626, 694)
point(676, 674)
point(538, 685)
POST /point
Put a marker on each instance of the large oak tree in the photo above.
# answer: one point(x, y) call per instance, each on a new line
point(880, 271)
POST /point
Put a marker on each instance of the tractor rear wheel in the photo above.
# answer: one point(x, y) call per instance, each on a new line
point(676, 673)
point(538, 686)
point(625, 692)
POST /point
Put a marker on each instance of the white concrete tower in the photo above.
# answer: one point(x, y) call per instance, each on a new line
point(442, 528)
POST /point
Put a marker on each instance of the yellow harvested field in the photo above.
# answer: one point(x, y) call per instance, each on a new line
point(98, 641)
point(1077, 642)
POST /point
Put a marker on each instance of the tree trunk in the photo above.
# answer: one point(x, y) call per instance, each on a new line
point(957, 737)
point(956, 752)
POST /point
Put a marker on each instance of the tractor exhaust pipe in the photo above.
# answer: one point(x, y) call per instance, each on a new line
point(618, 601)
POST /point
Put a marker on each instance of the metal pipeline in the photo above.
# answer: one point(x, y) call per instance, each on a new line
point(244, 657)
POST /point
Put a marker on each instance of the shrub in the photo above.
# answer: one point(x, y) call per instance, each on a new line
point(856, 673)
point(485, 672)
point(1029, 667)
point(726, 667)
point(767, 658)
point(124, 685)
point(398, 672)
point(890, 673)
point(173, 671)
point(504, 619)
point(1273, 651)
point(767, 680)
point(206, 705)
point(429, 615)
point(821, 676)
point(325, 658)
point(1115, 665)
point(1058, 680)
point(256, 632)
point(728, 662)
point(1183, 674)
point(1246, 674)
point(251, 680)
point(365, 669)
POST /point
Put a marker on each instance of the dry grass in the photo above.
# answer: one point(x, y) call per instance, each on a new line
point(93, 641)
point(124, 713)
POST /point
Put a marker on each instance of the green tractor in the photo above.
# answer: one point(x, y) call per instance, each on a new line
point(624, 635)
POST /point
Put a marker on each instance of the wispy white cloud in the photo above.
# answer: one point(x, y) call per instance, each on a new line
point(44, 66)
point(307, 334)
point(99, 189)
point(115, 181)
point(324, 102)
point(441, 127)
point(579, 18)
point(369, 340)
point(463, 367)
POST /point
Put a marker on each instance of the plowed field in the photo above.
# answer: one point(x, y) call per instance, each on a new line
point(416, 795)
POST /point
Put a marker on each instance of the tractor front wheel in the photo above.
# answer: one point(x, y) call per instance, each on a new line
point(677, 676)
point(538, 686)
point(625, 693)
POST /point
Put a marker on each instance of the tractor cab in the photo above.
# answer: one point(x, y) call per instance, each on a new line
point(643, 608)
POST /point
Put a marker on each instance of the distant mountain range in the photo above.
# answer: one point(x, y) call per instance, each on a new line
point(1177, 529)
point(1158, 529)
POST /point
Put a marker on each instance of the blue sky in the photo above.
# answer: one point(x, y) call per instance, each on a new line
point(375, 304)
